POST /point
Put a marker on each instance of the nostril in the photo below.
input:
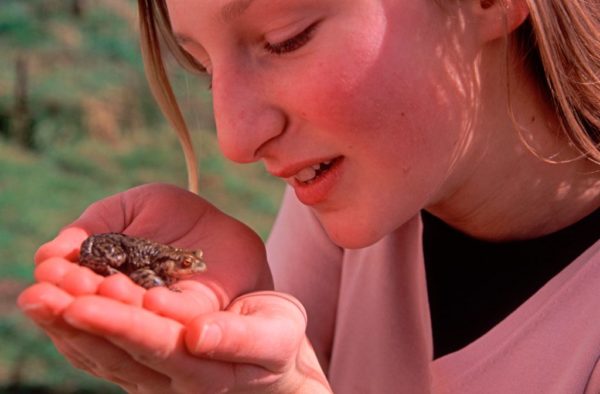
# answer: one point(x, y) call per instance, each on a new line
point(244, 137)
point(280, 128)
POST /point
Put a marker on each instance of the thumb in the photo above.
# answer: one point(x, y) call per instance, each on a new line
point(65, 245)
point(264, 328)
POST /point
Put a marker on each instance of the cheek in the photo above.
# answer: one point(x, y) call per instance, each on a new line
point(397, 119)
point(339, 98)
point(398, 136)
point(377, 105)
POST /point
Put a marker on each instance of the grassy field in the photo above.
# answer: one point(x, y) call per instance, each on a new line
point(41, 193)
point(77, 123)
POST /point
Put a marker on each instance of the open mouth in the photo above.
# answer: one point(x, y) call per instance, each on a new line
point(310, 174)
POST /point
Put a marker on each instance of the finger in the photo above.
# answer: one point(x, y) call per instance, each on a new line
point(73, 278)
point(53, 270)
point(264, 328)
point(93, 220)
point(120, 287)
point(103, 316)
point(44, 302)
point(152, 340)
point(192, 299)
point(80, 280)
point(65, 245)
point(102, 358)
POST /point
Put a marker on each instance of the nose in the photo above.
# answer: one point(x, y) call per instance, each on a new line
point(245, 114)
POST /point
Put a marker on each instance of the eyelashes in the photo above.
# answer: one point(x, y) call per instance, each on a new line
point(294, 43)
point(281, 48)
point(195, 66)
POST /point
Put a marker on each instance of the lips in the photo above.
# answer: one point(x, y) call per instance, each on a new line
point(313, 180)
point(315, 184)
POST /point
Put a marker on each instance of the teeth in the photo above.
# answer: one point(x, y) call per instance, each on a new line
point(309, 173)
point(306, 174)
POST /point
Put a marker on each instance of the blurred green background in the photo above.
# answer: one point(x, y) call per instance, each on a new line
point(77, 123)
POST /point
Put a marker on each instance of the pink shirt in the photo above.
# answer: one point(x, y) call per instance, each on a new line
point(369, 318)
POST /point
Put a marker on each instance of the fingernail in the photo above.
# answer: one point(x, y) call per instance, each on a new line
point(39, 313)
point(210, 337)
point(73, 322)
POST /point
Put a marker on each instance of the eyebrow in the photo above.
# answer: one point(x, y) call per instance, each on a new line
point(234, 9)
point(229, 12)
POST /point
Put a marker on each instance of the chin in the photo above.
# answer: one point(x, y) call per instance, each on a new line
point(360, 231)
point(352, 236)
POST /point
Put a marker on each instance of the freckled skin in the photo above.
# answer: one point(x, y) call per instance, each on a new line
point(147, 263)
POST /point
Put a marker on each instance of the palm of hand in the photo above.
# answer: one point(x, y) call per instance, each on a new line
point(166, 214)
point(157, 340)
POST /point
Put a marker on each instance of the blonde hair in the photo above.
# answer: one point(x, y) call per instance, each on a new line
point(154, 26)
point(567, 44)
point(561, 37)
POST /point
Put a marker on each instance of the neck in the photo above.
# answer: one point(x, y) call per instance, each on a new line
point(500, 189)
point(521, 204)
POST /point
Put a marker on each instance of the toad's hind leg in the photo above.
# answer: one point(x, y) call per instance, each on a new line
point(146, 278)
point(102, 269)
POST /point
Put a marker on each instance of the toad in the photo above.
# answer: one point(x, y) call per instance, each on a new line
point(146, 262)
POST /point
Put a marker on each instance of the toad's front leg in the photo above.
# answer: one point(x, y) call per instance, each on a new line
point(147, 278)
point(101, 268)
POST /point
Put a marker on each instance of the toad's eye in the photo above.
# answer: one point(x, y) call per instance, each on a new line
point(294, 43)
point(187, 262)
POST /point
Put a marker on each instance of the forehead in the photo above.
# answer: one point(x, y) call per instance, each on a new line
point(225, 10)
point(192, 14)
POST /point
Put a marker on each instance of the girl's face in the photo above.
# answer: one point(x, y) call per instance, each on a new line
point(360, 105)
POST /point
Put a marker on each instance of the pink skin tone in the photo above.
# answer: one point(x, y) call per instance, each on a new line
point(415, 115)
point(162, 341)
point(405, 95)
point(339, 106)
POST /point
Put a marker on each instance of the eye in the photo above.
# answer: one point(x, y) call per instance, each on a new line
point(294, 43)
point(186, 263)
point(206, 75)
point(193, 65)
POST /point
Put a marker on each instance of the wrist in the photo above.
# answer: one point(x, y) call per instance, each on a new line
point(312, 379)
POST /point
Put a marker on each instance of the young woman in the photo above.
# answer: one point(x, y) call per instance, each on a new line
point(440, 230)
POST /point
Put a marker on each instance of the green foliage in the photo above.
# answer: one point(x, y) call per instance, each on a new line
point(96, 132)
point(36, 366)
point(41, 193)
point(17, 25)
point(104, 37)
point(70, 57)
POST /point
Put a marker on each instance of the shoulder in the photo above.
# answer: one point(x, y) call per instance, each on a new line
point(550, 344)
